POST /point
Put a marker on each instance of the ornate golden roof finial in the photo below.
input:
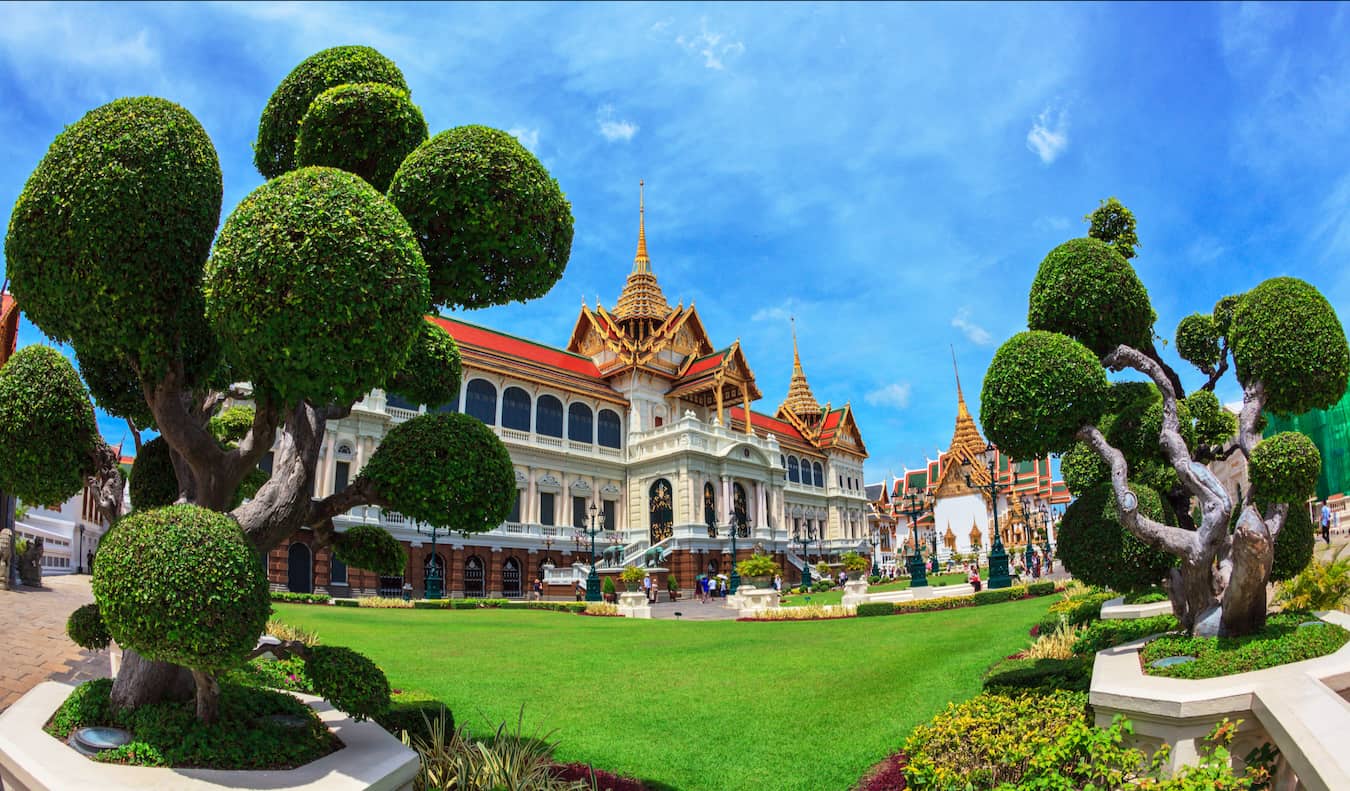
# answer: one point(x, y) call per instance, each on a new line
point(799, 399)
point(641, 263)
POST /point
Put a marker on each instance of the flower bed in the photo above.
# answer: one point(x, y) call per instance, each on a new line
point(301, 598)
point(1284, 640)
point(812, 612)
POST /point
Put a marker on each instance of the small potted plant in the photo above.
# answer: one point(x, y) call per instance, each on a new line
point(632, 577)
point(855, 565)
point(673, 586)
point(758, 570)
point(607, 588)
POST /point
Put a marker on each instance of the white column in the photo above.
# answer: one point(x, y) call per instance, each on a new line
point(724, 512)
point(760, 505)
point(530, 511)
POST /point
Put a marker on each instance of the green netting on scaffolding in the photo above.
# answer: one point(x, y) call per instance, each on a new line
point(1329, 429)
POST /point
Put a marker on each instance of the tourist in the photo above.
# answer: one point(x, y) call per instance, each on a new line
point(1326, 522)
point(579, 589)
point(537, 590)
point(974, 577)
point(1036, 566)
point(778, 583)
point(647, 587)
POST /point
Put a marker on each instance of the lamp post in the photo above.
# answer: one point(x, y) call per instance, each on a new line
point(1029, 515)
point(876, 542)
point(801, 535)
point(998, 556)
point(932, 558)
point(435, 580)
point(916, 503)
point(734, 583)
point(593, 579)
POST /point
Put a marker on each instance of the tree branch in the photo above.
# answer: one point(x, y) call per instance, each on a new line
point(1219, 370)
point(106, 482)
point(1170, 539)
point(360, 492)
point(1253, 401)
point(282, 505)
point(258, 441)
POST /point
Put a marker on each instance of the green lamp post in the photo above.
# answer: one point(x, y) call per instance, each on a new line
point(876, 542)
point(735, 582)
point(593, 579)
point(915, 504)
point(998, 556)
point(435, 579)
point(803, 536)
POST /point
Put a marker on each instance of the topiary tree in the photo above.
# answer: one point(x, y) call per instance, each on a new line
point(1290, 354)
point(316, 291)
point(1096, 549)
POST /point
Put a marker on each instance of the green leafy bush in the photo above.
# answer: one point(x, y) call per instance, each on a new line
point(493, 225)
point(1294, 545)
point(1286, 335)
point(270, 260)
point(1011, 676)
point(855, 563)
point(1101, 635)
point(1088, 291)
point(1039, 390)
point(1321, 585)
point(432, 372)
point(300, 598)
point(1074, 610)
point(1284, 469)
point(86, 628)
point(274, 151)
point(1198, 340)
point(365, 128)
point(1098, 550)
point(1283, 640)
point(411, 713)
point(182, 584)
point(1146, 596)
point(288, 674)
point(757, 566)
point(47, 429)
point(169, 734)
point(153, 482)
point(469, 488)
point(232, 424)
point(348, 680)
point(1040, 588)
point(999, 595)
point(346, 602)
point(115, 387)
point(934, 604)
point(372, 548)
point(607, 586)
point(870, 609)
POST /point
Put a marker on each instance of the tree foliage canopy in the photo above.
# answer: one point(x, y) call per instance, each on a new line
point(371, 548)
point(1287, 336)
point(493, 225)
point(1039, 390)
point(367, 129)
point(274, 151)
point(153, 484)
point(1098, 550)
point(116, 387)
point(432, 372)
point(1086, 290)
point(316, 286)
point(47, 428)
point(1198, 340)
point(107, 240)
point(1284, 469)
point(447, 470)
point(181, 584)
point(1112, 223)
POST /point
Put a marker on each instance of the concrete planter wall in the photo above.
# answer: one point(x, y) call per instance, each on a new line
point(1117, 610)
point(1301, 708)
point(31, 760)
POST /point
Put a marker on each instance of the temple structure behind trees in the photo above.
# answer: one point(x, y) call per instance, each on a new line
point(640, 415)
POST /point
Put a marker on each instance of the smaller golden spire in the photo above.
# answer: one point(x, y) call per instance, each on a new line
point(799, 399)
point(641, 263)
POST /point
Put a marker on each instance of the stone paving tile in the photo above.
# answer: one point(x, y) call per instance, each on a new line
point(33, 631)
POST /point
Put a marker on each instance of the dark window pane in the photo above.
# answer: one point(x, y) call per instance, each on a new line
point(579, 428)
point(794, 474)
point(608, 426)
point(611, 520)
point(514, 516)
point(546, 508)
point(548, 416)
point(579, 512)
point(340, 478)
point(480, 401)
point(396, 400)
point(337, 572)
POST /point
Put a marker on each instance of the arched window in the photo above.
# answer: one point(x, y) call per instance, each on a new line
point(710, 508)
point(398, 401)
point(473, 577)
point(548, 416)
point(820, 474)
point(609, 430)
point(661, 510)
point(299, 569)
point(579, 428)
point(794, 474)
point(740, 510)
point(516, 409)
point(480, 401)
point(511, 583)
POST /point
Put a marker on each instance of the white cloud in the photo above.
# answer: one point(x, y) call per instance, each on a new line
point(777, 313)
point(974, 333)
point(895, 394)
point(527, 137)
point(1048, 140)
point(712, 46)
point(612, 128)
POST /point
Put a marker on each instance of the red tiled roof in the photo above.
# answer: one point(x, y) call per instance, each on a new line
point(467, 334)
point(707, 363)
point(772, 425)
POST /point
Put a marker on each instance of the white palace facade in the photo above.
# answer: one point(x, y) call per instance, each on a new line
point(640, 414)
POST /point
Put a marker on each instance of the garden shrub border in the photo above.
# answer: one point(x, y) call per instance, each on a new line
point(301, 598)
point(574, 607)
point(1226, 656)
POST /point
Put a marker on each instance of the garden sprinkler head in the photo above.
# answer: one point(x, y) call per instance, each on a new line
point(678, 614)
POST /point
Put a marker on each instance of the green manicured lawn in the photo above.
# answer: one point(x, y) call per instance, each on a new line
point(697, 705)
point(837, 595)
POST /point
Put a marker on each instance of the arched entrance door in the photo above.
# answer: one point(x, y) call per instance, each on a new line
point(740, 511)
point(661, 511)
point(299, 569)
point(473, 577)
point(511, 579)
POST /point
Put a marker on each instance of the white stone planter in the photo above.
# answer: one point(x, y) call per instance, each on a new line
point(756, 600)
point(31, 760)
point(1117, 610)
point(1298, 707)
point(633, 604)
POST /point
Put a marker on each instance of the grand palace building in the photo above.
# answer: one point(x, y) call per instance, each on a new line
point(641, 415)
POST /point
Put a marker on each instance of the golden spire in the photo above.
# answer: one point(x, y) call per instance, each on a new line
point(967, 443)
point(641, 301)
point(799, 399)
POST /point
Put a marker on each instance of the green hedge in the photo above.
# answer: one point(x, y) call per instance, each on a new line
point(1075, 610)
point(1283, 640)
point(876, 608)
point(1011, 676)
point(346, 603)
point(497, 604)
point(300, 598)
point(1040, 588)
point(996, 596)
point(1101, 635)
point(1001, 595)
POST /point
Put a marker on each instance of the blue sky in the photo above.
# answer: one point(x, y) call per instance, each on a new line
point(890, 175)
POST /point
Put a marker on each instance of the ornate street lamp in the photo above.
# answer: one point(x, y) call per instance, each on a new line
point(593, 579)
point(915, 504)
point(435, 580)
point(998, 556)
point(734, 583)
point(1029, 515)
point(802, 536)
point(876, 542)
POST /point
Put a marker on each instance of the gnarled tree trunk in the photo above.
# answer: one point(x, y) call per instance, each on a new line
point(142, 681)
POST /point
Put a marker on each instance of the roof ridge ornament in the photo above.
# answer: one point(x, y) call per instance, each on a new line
point(800, 401)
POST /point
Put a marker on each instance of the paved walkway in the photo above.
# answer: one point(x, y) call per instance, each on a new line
point(692, 610)
point(35, 645)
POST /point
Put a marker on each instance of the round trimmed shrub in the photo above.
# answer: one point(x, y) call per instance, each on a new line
point(1223, 313)
point(367, 128)
point(181, 584)
point(1198, 341)
point(1039, 390)
point(274, 151)
point(115, 388)
point(1085, 289)
point(371, 548)
point(1294, 545)
point(1286, 335)
point(1082, 469)
point(316, 287)
point(445, 469)
point(432, 373)
point(348, 680)
point(86, 629)
point(47, 428)
point(493, 225)
point(107, 240)
point(1214, 425)
point(1098, 550)
point(232, 424)
point(154, 483)
point(1284, 469)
